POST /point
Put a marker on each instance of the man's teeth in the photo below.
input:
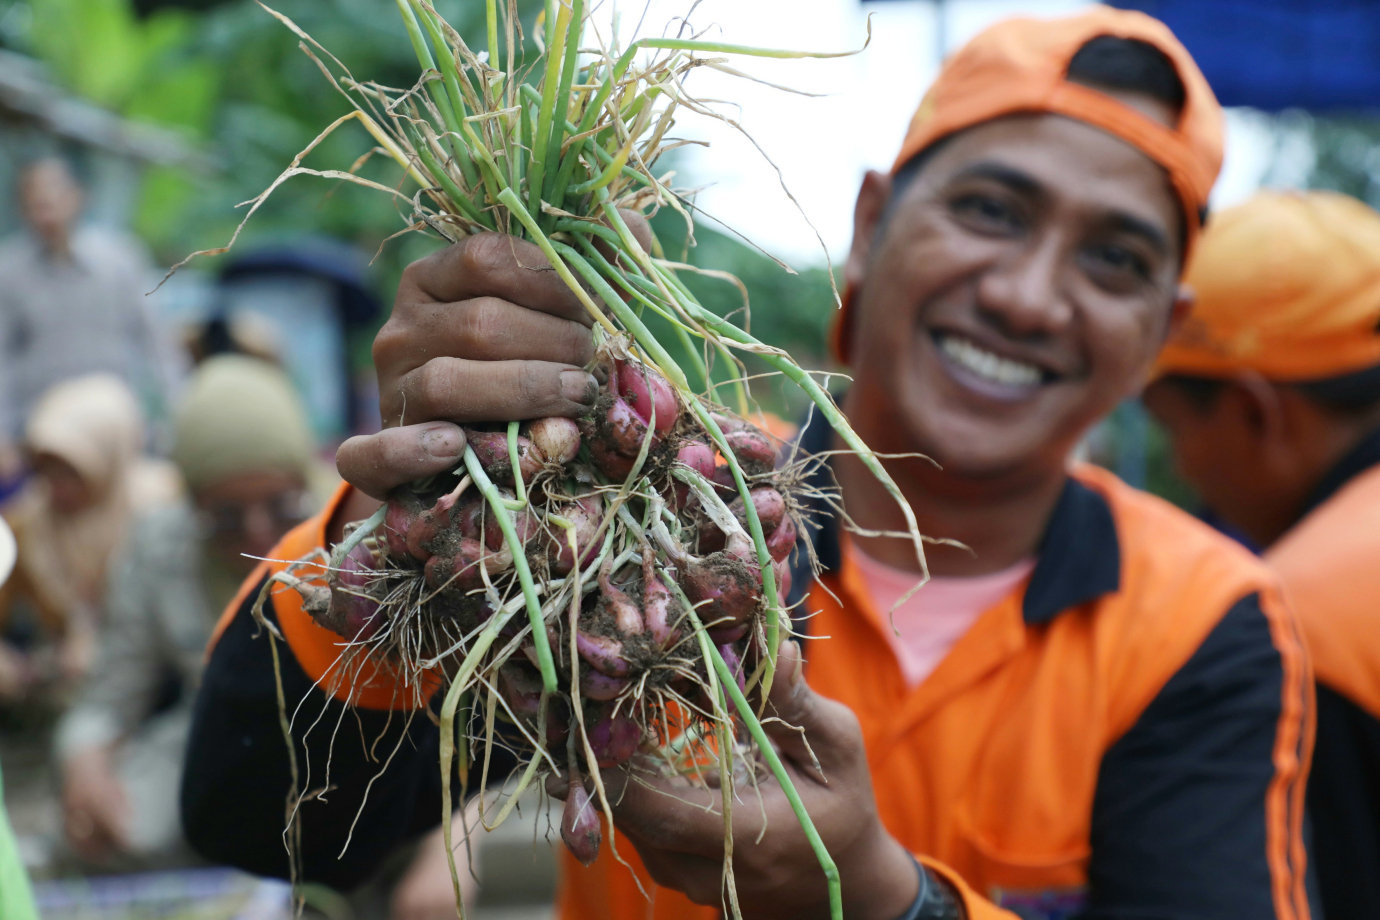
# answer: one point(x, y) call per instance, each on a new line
point(985, 364)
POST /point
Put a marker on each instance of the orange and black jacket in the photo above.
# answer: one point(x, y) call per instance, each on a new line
point(1126, 735)
point(1330, 565)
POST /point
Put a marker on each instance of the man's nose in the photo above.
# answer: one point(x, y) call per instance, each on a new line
point(261, 531)
point(1023, 295)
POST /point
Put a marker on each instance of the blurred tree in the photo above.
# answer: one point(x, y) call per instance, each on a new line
point(790, 311)
point(1346, 153)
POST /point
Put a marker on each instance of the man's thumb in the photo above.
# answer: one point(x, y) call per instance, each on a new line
point(796, 718)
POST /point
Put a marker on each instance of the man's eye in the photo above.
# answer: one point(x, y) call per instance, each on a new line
point(986, 211)
point(1119, 259)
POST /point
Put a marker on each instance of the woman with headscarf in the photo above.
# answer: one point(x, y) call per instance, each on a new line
point(83, 443)
point(243, 446)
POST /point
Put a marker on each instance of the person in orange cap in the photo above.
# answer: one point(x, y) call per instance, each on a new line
point(1099, 707)
point(1271, 395)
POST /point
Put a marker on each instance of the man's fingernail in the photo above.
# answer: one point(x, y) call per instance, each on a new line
point(579, 387)
point(445, 442)
point(792, 649)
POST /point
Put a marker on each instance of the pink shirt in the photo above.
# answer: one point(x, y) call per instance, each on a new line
point(936, 616)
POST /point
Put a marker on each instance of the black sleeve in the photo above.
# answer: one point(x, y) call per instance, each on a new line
point(237, 775)
point(1344, 803)
point(1179, 812)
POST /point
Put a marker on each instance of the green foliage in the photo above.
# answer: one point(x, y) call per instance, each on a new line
point(790, 311)
point(99, 50)
point(1347, 160)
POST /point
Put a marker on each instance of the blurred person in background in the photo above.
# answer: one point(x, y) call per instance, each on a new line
point(1271, 396)
point(71, 303)
point(83, 442)
point(243, 447)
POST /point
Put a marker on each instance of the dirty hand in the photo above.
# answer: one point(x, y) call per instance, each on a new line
point(483, 330)
point(680, 835)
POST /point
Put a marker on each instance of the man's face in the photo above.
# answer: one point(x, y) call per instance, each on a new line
point(1020, 288)
point(51, 201)
point(1213, 446)
point(245, 515)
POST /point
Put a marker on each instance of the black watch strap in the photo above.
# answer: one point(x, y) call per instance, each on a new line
point(936, 900)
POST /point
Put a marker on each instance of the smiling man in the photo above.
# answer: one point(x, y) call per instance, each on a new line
point(1098, 707)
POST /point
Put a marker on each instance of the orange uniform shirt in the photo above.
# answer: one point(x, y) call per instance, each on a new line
point(1126, 734)
point(1027, 766)
point(1330, 564)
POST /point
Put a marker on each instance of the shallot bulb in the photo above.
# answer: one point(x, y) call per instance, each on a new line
point(603, 653)
point(725, 590)
point(491, 449)
point(555, 439)
point(352, 613)
point(614, 740)
point(625, 612)
point(403, 508)
point(658, 607)
point(580, 823)
point(649, 395)
point(526, 524)
point(428, 525)
point(585, 514)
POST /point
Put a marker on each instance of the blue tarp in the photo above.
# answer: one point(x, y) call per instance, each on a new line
point(1322, 55)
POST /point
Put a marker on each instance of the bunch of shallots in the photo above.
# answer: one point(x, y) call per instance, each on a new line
point(630, 515)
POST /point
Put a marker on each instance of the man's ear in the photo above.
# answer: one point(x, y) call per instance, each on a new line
point(1184, 298)
point(1263, 404)
point(867, 217)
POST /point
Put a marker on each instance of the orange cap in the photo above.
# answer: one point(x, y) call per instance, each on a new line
point(1287, 284)
point(1020, 65)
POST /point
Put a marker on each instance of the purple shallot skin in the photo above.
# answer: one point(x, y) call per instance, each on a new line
point(585, 513)
point(782, 570)
point(626, 429)
point(428, 525)
point(352, 613)
point(625, 612)
point(602, 653)
point(521, 690)
point(462, 570)
point(648, 393)
point(491, 449)
point(735, 664)
point(580, 828)
point(610, 462)
point(697, 455)
point(526, 524)
point(753, 449)
point(725, 589)
point(782, 540)
point(656, 603)
point(597, 686)
point(614, 740)
point(403, 508)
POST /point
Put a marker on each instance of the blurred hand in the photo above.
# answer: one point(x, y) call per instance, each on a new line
point(483, 330)
point(17, 673)
point(425, 892)
point(678, 829)
point(77, 651)
point(95, 811)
